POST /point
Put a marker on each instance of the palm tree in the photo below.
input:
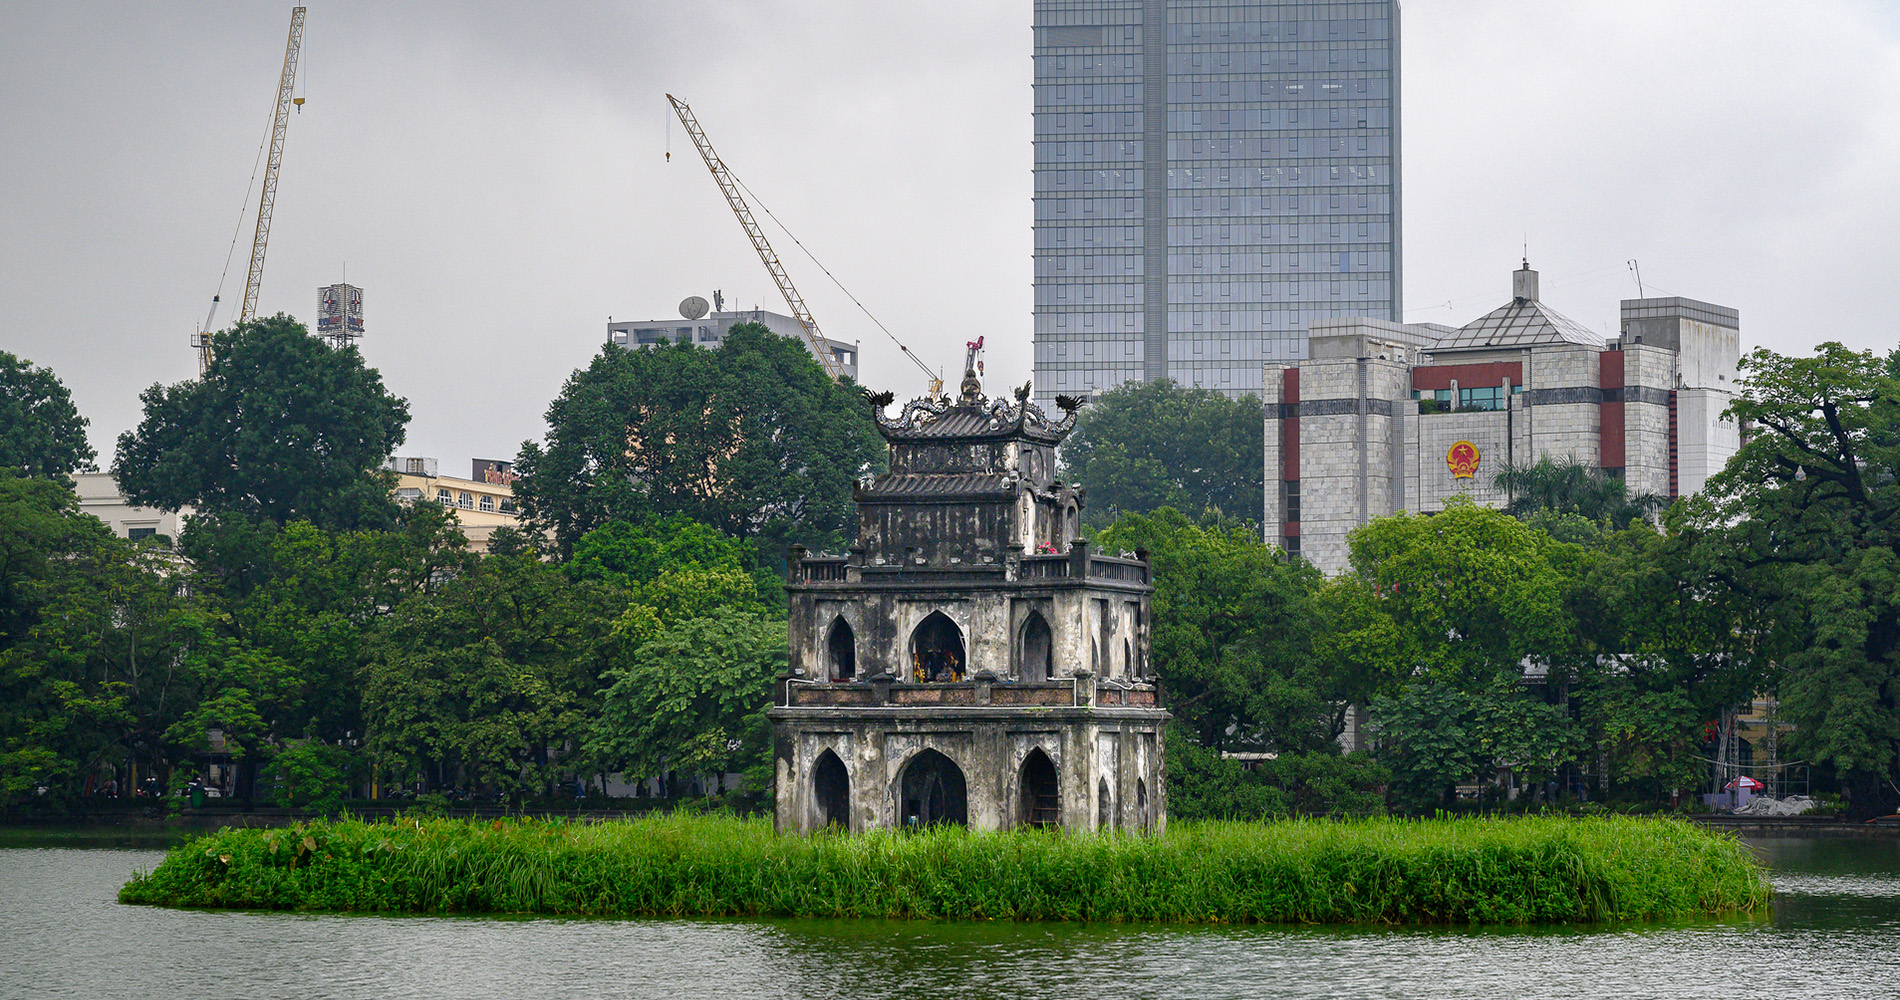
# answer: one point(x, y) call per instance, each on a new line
point(1571, 486)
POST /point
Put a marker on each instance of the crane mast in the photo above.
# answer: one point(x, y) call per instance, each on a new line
point(730, 188)
point(268, 200)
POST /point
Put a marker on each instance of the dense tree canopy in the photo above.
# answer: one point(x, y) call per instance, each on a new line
point(280, 428)
point(752, 439)
point(41, 433)
point(1805, 522)
point(1146, 445)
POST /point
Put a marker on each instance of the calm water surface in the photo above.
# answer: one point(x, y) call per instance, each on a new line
point(1835, 932)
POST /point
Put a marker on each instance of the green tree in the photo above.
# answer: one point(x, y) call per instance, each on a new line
point(41, 433)
point(491, 680)
point(1146, 445)
point(689, 696)
point(637, 556)
point(280, 428)
point(1805, 523)
point(1572, 486)
point(1232, 636)
point(322, 595)
point(111, 660)
point(752, 439)
point(1471, 593)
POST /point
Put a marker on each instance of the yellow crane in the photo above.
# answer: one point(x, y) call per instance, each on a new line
point(729, 186)
point(279, 123)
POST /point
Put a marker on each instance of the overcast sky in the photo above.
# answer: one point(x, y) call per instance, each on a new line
point(494, 176)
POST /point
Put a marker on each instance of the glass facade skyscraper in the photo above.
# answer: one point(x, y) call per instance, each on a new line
point(1210, 177)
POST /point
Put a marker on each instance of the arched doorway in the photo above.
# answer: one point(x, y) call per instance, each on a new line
point(931, 790)
point(936, 650)
point(843, 647)
point(1141, 804)
point(1104, 811)
point(831, 791)
point(1039, 800)
point(1037, 649)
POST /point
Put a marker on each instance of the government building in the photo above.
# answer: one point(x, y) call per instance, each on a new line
point(1385, 417)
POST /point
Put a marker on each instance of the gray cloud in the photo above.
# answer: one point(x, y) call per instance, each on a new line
point(494, 175)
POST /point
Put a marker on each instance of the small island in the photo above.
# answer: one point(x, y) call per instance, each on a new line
point(1527, 870)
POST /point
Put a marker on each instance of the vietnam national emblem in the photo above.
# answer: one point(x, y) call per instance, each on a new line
point(1462, 459)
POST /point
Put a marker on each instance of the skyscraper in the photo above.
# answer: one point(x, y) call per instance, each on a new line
point(1211, 176)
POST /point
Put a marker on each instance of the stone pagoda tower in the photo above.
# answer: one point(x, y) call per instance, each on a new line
point(970, 661)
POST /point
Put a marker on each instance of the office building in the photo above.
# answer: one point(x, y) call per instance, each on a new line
point(1384, 417)
point(1210, 179)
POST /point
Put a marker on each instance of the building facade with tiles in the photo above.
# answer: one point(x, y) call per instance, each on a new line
point(1385, 417)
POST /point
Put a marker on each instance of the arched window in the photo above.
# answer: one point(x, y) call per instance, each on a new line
point(1128, 659)
point(931, 790)
point(936, 650)
point(1141, 804)
point(1036, 650)
point(831, 791)
point(1104, 809)
point(1038, 796)
point(843, 647)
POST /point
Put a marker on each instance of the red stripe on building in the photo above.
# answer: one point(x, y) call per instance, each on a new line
point(1610, 433)
point(1290, 427)
point(1433, 377)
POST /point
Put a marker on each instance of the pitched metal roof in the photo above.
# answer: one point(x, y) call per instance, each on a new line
point(1520, 323)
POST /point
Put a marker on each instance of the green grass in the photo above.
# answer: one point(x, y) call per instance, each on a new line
point(1382, 871)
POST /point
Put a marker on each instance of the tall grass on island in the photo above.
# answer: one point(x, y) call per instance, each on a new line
point(1380, 871)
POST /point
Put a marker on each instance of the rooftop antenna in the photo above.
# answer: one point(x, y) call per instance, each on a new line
point(1637, 270)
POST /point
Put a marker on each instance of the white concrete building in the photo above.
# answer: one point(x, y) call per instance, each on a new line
point(1386, 417)
point(99, 496)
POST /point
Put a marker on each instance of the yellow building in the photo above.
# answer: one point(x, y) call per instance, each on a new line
point(482, 503)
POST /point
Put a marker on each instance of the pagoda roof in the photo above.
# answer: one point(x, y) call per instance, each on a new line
point(974, 417)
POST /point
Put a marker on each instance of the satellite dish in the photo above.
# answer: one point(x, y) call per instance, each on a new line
point(693, 307)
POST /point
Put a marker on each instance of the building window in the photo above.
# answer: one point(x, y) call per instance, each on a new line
point(1485, 398)
point(445, 498)
point(488, 503)
point(1290, 500)
point(413, 466)
point(466, 502)
point(134, 534)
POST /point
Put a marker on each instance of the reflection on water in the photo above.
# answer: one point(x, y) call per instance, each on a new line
point(1835, 931)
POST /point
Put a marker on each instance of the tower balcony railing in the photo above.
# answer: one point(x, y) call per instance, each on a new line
point(1077, 564)
point(887, 692)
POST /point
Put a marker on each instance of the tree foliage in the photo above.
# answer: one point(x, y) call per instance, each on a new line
point(1573, 486)
point(280, 428)
point(1232, 641)
point(1805, 523)
point(752, 439)
point(1146, 445)
point(41, 432)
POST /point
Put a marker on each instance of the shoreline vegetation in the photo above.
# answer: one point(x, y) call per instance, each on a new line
point(1527, 870)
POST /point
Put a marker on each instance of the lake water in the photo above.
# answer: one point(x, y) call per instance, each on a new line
point(1835, 932)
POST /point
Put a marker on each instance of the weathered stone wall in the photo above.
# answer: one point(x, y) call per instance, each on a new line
point(1109, 763)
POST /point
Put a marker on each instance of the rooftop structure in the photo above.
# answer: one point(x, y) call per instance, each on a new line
point(710, 332)
point(482, 503)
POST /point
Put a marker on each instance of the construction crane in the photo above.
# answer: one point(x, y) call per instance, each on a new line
point(268, 201)
point(729, 186)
